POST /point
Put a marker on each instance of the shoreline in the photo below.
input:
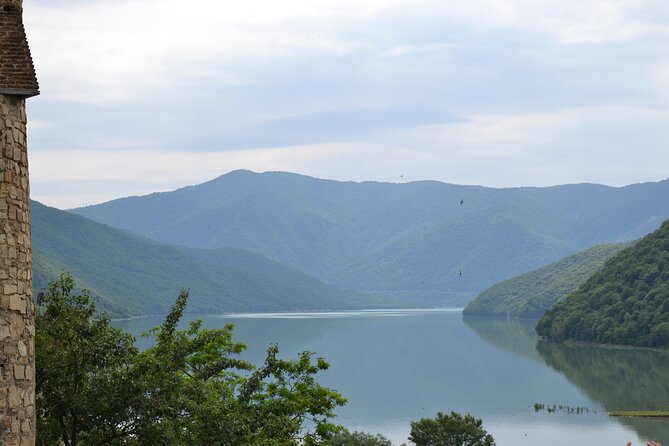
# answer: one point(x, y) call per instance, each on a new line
point(647, 414)
point(278, 313)
point(573, 343)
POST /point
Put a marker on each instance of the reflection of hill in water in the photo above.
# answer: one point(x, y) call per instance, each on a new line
point(617, 379)
point(513, 335)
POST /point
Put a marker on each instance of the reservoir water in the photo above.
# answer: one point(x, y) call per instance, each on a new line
point(395, 366)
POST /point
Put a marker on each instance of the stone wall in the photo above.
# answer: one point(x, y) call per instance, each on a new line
point(17, 310)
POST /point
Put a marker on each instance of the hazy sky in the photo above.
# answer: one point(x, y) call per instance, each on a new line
point(147, 95)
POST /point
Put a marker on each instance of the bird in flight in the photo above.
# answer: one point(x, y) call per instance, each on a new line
point(462, 201)
point(460, 273)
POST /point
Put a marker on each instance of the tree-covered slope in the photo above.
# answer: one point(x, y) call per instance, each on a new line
point(408, 240)
point(531, 294)
point(627, 302)
point(134, 276)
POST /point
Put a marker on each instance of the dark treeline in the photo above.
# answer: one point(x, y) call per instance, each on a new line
point(627, 302)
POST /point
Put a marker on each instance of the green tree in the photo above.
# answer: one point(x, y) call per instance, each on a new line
point(346, 438)
point(450, 430)
point(199, 393)
point(190, 388)
point(84, 394)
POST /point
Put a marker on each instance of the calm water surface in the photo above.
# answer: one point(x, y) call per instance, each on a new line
point(395, 366)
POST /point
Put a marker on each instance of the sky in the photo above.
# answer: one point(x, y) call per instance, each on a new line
point(139, 96)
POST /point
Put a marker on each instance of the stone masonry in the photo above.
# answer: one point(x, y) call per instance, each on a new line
point(17, 310)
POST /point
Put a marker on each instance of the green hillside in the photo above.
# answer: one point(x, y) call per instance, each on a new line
point(135, 276)
point(407, 240)
point(627, 302)
point(531, 294)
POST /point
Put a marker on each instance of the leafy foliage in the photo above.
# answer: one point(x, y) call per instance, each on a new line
point(531, 294)
point(223, 279)
point(85, 394)
point(450, 430)
point(627, 302)
point(95, 388)
point(346, 438)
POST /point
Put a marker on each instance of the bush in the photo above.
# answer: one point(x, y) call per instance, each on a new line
point(450, 430)
point(347, 438)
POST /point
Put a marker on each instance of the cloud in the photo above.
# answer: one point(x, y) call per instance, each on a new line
point(573, 146)
point(70, 178)
point(143, 95)
point(98, 51)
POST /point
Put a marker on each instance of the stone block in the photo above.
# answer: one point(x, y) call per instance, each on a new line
point(15, 426)
point(17, 303)
point(19, 372)
point(4, 331)
point(10, 350)
point(29, 398)
point(16, 325)
point(22, 348)
point(13, 398)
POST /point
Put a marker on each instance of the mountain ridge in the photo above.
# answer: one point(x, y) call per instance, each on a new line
point(531, 294)
point(408, 238)
point(134, 276)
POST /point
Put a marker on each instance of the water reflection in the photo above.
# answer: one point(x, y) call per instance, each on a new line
point(396, 366)
point(617, 379)
point(513, 335)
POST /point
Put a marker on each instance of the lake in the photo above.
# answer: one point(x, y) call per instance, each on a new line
point(395, 366)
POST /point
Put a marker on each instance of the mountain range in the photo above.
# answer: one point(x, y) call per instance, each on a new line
point(132, 275)
point(422, 243)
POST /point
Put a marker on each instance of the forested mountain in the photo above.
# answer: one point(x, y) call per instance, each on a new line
point(134, 276)
point(627, 302)
point(531, 294)
point(409, 240)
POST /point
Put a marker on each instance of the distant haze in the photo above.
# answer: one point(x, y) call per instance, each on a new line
point(424, 243)
point(147, 95)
